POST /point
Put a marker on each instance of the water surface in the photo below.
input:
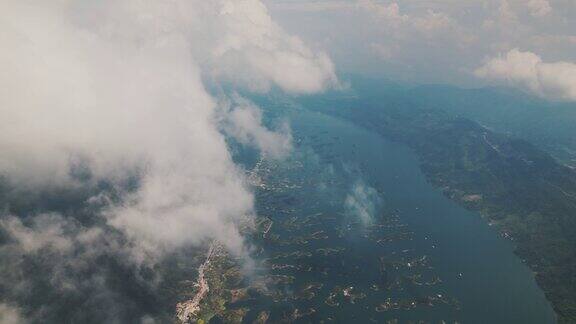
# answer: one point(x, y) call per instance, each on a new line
point(422, 258)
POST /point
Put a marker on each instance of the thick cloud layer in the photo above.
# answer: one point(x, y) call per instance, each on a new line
point(526, 70)
point(119, 87)
point(114, 151)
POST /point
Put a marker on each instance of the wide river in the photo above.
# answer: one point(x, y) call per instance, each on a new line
point(408, 252)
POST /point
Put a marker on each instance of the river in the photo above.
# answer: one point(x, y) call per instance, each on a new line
point(422, 257)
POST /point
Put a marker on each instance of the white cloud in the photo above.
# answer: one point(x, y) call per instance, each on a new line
point(120, 89)
point(362, 202)
point(526, 70)
point(47, 232)
point(243, 121)
point(119, 86)
point(539, 8)
point(437, 41)
point(50, 255)
point(10, 315)
point(251, 49)
point(430, 22)
point(407, 37)
point(506, 14)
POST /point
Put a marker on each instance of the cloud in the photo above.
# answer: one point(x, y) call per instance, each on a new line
point(108, 94)
point(243, 121)
point(10, 315)
point(539, 8)
point(526, 70)
point(506, 14)
point(120, 86)
point(312, 6)
point(51, 258)
point(362, 202)
point(435, 41)
point(47, 232)
point(431, 22)
point(254, 51)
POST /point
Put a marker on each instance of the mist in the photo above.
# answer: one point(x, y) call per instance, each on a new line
point(107, 101)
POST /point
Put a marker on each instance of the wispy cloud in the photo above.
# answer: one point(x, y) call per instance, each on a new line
point(362, 202)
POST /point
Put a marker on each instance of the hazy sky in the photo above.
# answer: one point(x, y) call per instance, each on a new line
point(121, 88)
point(444, 41)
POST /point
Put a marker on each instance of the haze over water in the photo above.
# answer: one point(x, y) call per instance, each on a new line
point(481, 280)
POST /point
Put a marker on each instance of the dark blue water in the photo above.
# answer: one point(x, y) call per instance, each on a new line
point(421, 258)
